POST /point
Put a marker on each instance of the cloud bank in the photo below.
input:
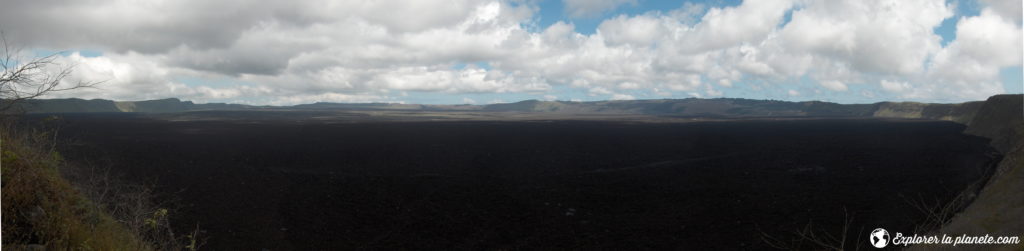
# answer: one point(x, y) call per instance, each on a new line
point(273, 52)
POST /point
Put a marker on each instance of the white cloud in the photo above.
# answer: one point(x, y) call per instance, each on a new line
point(133, 76)
point(591, 8)
point(710, 91)
point(834, 85)
point(689, 13)
point(619, 96)
point(749, 22)
point(988, 40)
point(889, 36)
point(1008, 9)
point(894, 86)
point(644, 30)
point(364, 51)
point(725, 82)
point(969, 66)
point(599, 91)
point(629, 86)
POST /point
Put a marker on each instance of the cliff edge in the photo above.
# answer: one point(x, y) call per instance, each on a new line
point(998, 209)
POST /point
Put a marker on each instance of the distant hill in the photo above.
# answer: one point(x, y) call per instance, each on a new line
point(690, 107)
point(722, 107)
point(67, 106)
point(74, 105)
point(665, 107)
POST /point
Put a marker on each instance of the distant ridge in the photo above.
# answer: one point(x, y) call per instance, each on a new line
point(689, 107)
point(722, 107)
point(75, 105)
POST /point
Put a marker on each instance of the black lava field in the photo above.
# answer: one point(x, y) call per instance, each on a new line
point(293, 182)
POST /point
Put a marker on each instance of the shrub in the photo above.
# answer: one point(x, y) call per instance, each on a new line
point(41, 207)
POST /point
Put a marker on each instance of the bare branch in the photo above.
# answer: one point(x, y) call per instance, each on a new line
point(22, 80)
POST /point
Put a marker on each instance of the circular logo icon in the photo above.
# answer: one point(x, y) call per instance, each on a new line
point(879, 238)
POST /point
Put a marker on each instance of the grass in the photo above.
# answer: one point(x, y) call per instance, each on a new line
point(43, 209)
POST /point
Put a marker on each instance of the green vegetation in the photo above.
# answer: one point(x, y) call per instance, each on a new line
point(44, 209)
point(41, 207)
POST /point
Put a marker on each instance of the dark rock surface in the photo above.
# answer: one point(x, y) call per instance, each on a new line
point(283, 182)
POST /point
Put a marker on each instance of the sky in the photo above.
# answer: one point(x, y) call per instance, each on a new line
point(267, 52)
